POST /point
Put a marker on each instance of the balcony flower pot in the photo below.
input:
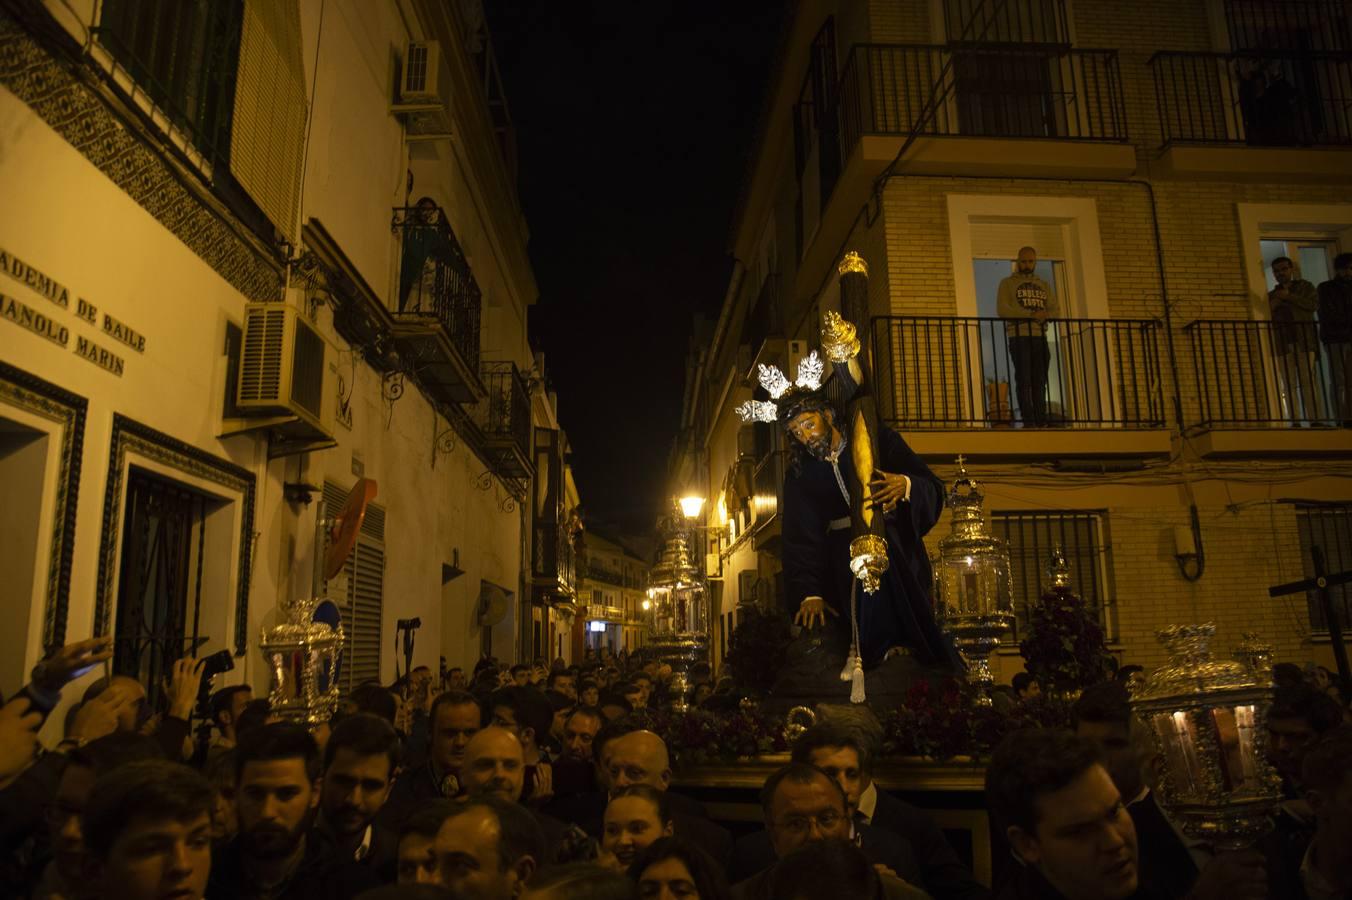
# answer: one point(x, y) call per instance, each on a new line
point(998, 411)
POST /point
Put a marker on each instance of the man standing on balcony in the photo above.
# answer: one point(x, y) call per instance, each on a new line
point(1293, 303)
point(1335, 330)
point(1026, 302)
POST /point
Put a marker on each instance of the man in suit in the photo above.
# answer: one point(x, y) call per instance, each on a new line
point(846, 756)
point(802, 806)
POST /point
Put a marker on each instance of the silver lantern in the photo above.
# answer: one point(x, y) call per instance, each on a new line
point(972, 578)
point(1209, 722)
point(677, 610)
point(302, 659)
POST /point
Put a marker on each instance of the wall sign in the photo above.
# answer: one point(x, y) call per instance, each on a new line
point(26, 317)
point(99, 356)
point(28, 276)
point(42, 325)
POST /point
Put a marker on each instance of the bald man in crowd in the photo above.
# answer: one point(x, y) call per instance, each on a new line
point(640, 757)
point(495, 766)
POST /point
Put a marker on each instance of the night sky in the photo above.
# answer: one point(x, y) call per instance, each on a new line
point(633, 123)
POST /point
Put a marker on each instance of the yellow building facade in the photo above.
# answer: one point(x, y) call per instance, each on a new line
point(1180, 461)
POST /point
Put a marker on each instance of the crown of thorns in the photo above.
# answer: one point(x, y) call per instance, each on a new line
point(781, 390)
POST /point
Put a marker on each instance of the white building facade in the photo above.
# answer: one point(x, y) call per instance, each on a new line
point(248, 259)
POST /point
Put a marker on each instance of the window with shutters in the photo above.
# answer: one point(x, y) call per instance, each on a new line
point(362, 596)
point(1327, 526)
point(1081, 535)
point(229, 77)
point(184, 56)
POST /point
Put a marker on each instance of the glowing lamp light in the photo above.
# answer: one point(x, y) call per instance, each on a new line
point(1208, 719)
point(691, 506)
point(647, 605)
point(975, 604)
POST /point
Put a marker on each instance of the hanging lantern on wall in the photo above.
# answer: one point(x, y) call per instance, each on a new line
point(972, 576)
point(1209, 721)
point(677, 614)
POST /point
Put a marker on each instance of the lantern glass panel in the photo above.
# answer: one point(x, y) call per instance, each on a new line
point(1180, 750)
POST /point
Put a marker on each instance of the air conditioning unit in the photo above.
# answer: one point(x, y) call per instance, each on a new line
point(284, 369)
point(424, 93)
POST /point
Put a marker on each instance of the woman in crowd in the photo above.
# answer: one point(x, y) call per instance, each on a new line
point(635, 817)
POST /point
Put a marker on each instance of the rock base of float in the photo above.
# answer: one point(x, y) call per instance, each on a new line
point(811, 678)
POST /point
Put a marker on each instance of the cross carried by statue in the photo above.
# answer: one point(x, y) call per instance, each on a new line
point(1320, 584)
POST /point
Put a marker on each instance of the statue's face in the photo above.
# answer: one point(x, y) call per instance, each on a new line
point(814, 430)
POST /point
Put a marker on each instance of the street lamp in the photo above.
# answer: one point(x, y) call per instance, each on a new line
point(677, 597)
point(691, 506)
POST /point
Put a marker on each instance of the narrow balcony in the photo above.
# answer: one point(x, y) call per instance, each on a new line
point(974, 385)
point(438, 306)
point(766, 480)
point(503, 418)
point(1016, 110)
point(1265, 389)
point(601, 573)
point(1281, 115)
point(553, 564)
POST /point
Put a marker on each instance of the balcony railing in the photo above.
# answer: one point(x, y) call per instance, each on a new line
point(503, 417)
point(554, 562)
point(601, 573)
point(1260, 99)
point(936, 372)
point(1005, 92)
point(766, 480)
point(435, 281)
point(1260, 374)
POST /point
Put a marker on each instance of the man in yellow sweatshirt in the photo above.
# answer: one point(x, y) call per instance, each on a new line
point(1026, 302)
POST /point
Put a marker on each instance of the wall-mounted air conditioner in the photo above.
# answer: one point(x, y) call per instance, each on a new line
point(284, 375)
point(424, 95)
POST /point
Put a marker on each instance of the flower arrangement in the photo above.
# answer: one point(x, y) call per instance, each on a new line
point(699, 737)
point(939, 721)
point(1064, 646)
point(943, 720)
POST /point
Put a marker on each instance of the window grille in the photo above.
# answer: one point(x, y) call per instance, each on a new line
point(363, 604)
point(1327, 526)
point(1081, 535)
point(184, 55)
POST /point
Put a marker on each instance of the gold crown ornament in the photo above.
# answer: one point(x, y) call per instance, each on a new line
point(840, 340)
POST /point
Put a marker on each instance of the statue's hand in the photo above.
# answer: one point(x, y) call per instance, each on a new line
point(812, 612)
point(889, 490)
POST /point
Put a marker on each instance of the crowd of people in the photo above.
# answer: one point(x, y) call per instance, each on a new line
point(540, 781)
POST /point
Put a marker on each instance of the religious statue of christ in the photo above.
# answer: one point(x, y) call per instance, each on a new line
point(858, 503)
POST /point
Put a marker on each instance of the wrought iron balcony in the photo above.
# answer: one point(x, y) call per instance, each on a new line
point(1260, 99)
point(1260, 374)
point(503, 419)
point(601, 573)
point(942, 373)
point(438, 306)
point(553, 562)
point(993, 91)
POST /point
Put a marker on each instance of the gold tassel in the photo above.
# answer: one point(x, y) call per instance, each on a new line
point(848, 672)
point(857, 682)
